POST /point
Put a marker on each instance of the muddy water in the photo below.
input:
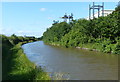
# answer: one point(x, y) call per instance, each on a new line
point(73, 64)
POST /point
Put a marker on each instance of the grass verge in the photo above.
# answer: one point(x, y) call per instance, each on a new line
point(16, 66)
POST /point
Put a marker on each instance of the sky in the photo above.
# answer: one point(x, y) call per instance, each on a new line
point(33, 18)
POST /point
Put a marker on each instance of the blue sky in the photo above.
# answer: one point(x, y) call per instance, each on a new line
point(32, 18)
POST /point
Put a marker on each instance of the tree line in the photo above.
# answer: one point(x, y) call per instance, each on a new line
point(102, 34)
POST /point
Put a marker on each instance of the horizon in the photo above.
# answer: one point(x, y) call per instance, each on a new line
point(33, 18)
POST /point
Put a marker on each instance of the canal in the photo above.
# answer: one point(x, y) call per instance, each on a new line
point(71, 63)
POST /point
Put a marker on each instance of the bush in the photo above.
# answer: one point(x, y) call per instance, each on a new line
point(116, 49)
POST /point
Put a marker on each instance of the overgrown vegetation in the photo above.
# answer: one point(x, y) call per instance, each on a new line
point(15, 64)
point(101, 34)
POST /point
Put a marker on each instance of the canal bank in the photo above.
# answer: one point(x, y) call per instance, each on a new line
point(15, 64)
point(90, 46)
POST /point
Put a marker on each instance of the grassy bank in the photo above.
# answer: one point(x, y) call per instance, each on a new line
point(107, 48)
point(101, 47)
point(15, 64)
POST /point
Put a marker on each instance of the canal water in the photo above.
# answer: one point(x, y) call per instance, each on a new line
point(71, 63)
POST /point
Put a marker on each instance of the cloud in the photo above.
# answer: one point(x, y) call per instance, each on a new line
point(7, 31)
point(50, 17)
point(25, 32)
point(20, 32)
point(29, 33)
point(42, 9)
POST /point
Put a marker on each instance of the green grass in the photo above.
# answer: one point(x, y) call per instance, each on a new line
point(107, 48)
point(91, 46)
point(16, 66)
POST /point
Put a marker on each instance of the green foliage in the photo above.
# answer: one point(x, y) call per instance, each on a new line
point(102, 32)
point(55, 33)
point(116, 48)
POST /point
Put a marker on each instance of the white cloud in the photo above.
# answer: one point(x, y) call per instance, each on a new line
point(7, 31)
point(50, 17)
point(29, 33)
point(20, 31)
point(25, 32)
point(42, 9)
